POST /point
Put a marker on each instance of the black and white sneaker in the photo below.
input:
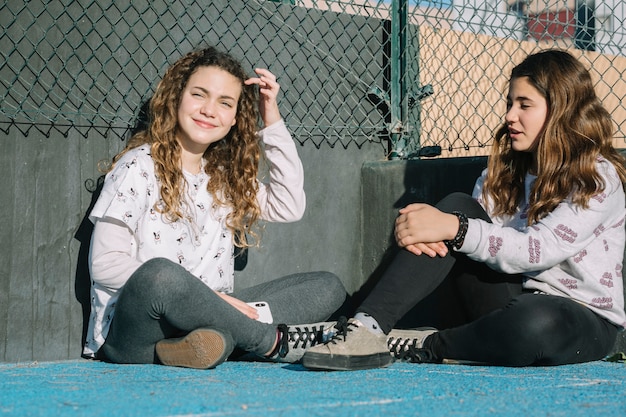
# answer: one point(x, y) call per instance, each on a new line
point(295, 339)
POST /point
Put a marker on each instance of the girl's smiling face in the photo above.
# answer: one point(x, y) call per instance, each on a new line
point(208, 108)
point(527, 111)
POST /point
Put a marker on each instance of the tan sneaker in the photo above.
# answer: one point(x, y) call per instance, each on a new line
point(353, 347)
point(200, 349)
point(407, 345)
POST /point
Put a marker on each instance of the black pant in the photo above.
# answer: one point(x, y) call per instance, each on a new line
point(505, 325)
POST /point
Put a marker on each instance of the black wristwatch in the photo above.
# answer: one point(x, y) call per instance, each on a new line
point(457, 242)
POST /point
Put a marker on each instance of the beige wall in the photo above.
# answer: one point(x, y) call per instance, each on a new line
point(470, 74)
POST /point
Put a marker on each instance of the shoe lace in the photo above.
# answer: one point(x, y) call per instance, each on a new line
point(413, 354)
point(283, 341)
point(343, 327)
point(398, 346)
point(305, 336)
point(298, 337)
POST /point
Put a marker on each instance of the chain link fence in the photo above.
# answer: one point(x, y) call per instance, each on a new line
point(421, 78)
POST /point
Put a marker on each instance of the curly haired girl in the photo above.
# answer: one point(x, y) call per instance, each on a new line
point(175, 204)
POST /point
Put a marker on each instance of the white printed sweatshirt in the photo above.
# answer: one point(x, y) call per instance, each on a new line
point(572, 252)
point(129, 231)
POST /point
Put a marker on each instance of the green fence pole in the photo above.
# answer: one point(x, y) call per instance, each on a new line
point(398, 114)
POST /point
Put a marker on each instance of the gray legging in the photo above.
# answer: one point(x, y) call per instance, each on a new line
point(504, 325)
point(162, 300)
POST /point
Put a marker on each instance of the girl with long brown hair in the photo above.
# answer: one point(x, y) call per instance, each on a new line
point(535, 256)
point(176, 202)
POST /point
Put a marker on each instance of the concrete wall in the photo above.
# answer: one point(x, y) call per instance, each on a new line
point(43, 277)
point(43, 201)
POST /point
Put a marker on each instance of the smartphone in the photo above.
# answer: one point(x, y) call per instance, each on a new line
point(265, 314)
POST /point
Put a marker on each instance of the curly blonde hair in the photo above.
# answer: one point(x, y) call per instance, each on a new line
point(231, 163)
point(577, 130)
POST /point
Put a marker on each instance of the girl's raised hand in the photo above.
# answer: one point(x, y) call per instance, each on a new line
point(268, 91)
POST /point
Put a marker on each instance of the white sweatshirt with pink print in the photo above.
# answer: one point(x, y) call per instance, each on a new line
point(572, 252)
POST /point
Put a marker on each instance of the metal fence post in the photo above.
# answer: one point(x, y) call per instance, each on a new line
point(585, 25)
point(398, 69)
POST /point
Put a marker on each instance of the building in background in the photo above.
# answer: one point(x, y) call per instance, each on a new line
point(585, 24)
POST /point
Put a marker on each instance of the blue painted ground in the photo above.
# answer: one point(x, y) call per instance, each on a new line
point(88, 388)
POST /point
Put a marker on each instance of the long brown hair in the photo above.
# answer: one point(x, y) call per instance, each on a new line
point(577, 130)
point(231, 163)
